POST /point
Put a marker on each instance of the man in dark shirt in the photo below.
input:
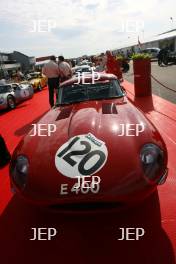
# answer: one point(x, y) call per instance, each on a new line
point(4, 153)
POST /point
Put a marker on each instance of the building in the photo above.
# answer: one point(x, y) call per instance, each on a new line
point(27, 63)
point(7, 64)
point(166, 39)
point(41, 61)
point(11, 62)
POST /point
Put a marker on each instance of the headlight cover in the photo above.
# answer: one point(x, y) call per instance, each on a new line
point(19, 171)
point(153, 163)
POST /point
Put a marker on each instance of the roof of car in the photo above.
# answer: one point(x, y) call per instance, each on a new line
point(5, 84)
point(34, 72)
point(82, 66)
point(155, 48)
point(88, 78)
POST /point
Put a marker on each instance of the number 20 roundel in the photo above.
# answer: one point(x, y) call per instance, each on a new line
point(82, 155)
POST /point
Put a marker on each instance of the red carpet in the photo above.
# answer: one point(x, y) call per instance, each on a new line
point(90, 238)
point(13, 126)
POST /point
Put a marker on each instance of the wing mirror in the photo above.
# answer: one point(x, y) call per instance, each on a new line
point(123, 90)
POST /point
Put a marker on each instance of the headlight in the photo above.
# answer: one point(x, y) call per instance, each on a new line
point(153, 163)
point(1, 100)
point(19, 171)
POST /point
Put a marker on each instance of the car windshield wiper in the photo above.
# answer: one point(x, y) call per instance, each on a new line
point(75, 102)
point(106, 98)
point(90, 99)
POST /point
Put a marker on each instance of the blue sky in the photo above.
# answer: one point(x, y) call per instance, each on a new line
point(78, 27)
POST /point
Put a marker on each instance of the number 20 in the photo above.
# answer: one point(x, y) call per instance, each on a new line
point(67, 156)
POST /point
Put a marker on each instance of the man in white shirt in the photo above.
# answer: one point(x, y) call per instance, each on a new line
point(65, 69)
point(51, 71)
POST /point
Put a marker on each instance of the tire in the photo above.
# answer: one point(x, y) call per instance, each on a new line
point(165, 62)
point(127, 68)
point(11, 102)
point(39, 87)
point(159, 62)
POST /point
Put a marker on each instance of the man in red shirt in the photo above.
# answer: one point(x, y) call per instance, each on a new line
point(113, 66)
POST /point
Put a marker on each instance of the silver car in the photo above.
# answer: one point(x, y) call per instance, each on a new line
point(153, 52)
point(12, 94)
point(80, 69)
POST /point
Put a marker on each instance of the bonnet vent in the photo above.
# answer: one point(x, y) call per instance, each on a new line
point(65, 113)
point(109, 108)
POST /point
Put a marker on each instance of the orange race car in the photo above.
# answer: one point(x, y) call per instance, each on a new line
point(37, 80)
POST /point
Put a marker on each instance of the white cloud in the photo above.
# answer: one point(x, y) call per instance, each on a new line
point(81, 26)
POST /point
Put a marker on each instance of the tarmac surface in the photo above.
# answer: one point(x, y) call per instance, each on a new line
point(165, 75)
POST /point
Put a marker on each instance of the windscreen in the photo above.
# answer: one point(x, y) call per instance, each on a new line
point(5, 89)
point(84, 92)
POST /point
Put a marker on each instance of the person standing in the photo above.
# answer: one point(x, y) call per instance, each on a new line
point(113, 66)
point(65, 69)
point(19, 75)
point(100, 66)
point(51, 71)
point(4, 153)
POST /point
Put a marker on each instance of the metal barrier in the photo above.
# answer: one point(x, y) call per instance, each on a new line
point(156, 80)
point(163, 84)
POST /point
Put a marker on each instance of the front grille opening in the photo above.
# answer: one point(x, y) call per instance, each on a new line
point(109, 108)
point(65, 113)
point(98, 206)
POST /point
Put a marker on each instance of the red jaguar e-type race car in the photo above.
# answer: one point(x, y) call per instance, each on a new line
point(98, 148)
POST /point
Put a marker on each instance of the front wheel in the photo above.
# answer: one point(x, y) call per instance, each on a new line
point(165, 60)
point(39, 87)
point(11, 102)
point(159, 62)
